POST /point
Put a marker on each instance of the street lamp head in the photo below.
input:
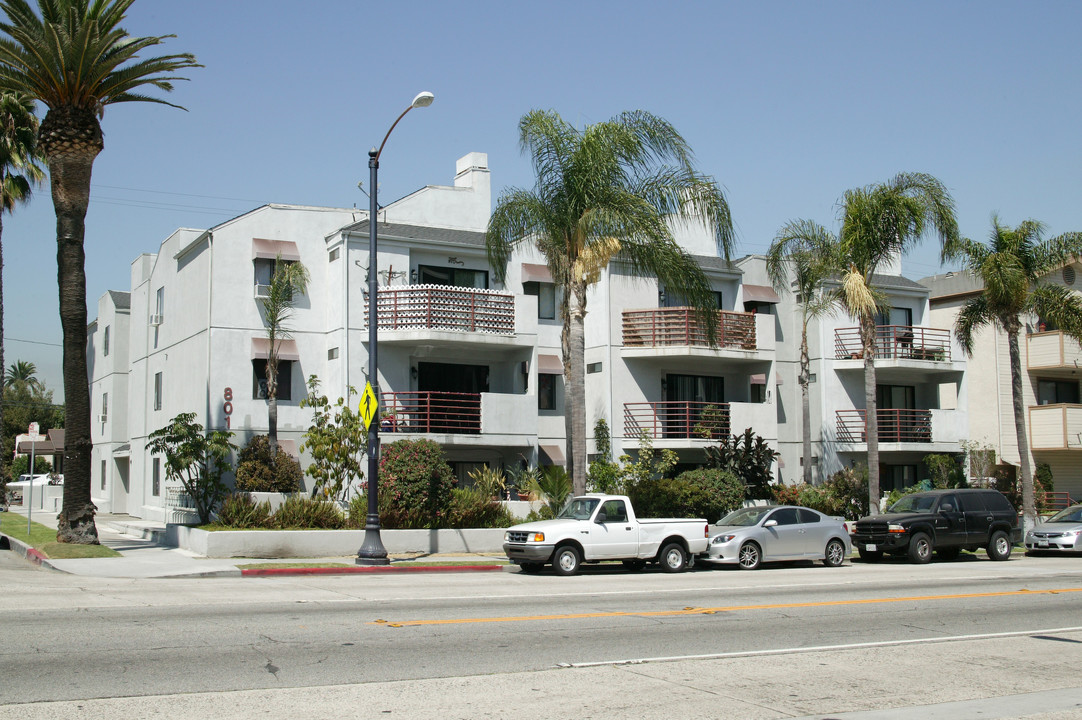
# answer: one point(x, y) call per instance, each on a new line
point(423, 99)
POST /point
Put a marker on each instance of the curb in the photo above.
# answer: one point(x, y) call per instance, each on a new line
point(32, 555)
point(384, 569)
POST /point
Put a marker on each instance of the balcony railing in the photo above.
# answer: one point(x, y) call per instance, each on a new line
point(894, 342)
point(677, 420)
point(681, 326)
point(430, 412)
point(895, 426)
point(442, 307)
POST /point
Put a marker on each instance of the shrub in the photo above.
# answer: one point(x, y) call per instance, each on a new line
point(475, 508)
point(552, 487)
point(845, 493)
point(1008, 483)
point(415, 484)
point(238, 510)
point(260, 471)
point(724, 492)
point(604, 475)
point(300, 512)
point(21, 463)
point(358, 512)
point(945, 471)
point(749, 458)
point(490, 482)
point(703, 493)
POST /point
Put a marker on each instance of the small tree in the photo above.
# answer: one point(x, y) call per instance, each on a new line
point(415, 484)
point(289, 280)
point(604, 474)
point(749, 458)
point(195, 459)
point(336, 440)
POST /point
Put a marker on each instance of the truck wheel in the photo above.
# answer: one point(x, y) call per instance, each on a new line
point(999, 547)
point(531, 568)
point(634, 565)
point(673, 559)
point(870, 556)
point(567, 560)
point(920, 548)
point(835, 553)
point(750, 556)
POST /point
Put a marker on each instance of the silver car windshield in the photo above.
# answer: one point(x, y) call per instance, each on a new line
point(580, 508)
point(744, 517)
point(1072, 514)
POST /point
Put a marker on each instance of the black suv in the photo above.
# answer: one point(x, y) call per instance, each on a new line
point(941, 521)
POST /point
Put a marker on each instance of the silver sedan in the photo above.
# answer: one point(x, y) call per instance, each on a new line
point(1060, 533)
point(751, 536)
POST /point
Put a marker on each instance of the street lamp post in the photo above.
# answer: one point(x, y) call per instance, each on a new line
point(372, 551)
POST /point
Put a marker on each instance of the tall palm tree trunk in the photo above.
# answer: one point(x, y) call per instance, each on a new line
point(805, 404)
point(70, 181)
point(1029, 509)
point(575, 415)
point(3, 460)
point(272, 401)
point(871, 417)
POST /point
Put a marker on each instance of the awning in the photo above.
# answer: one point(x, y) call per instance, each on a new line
point(760, 293)
point(531, 272)
point(287, 349)
point(273, 248)
point(123, 451)
point(760, 379)
point(551, 455)
point(550, 365)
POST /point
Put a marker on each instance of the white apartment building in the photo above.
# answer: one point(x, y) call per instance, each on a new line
point(1051, 366)
point(464, 360)
point(921, 384)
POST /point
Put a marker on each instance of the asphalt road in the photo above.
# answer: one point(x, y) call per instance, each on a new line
point(76, 638)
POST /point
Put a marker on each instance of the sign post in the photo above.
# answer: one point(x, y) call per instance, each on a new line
point(34, 437)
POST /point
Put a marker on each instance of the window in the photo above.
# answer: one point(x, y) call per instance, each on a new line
point(103, 466)
point(546, 298)
point(758, 393)
point(675, 299)
point(333, 255)
point(159, 312)
point(332, 354)
point(786, 516)
point(1054, 392)
point(546, 391)
point(457, 277)
point(592, 368)
point(264, 274)
point(156, 478)
point(104, 406)
point(809, 516)
point(895, 316)
point(105, 342)
point(759, 308)
point(615, 512)
point(157, 391)
point(285, 380)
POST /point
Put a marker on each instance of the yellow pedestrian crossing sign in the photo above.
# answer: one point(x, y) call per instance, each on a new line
point(369, 406)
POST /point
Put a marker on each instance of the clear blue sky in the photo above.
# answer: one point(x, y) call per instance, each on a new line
point(787, 104)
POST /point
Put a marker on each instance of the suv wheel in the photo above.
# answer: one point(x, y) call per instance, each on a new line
point(999, 546)
point(920, 548)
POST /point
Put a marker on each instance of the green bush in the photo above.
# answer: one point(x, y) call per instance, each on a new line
point(260, 471)
point(696, 493)
point(415, 485)
point(845, 493)
point(357, 515)
point(945, 471)
point(300, 512)
point(724, 492)
point(749, 458)
point(21, 462)
point(604, 475)
point(552, 487)
point(238, 510)
point(475, 508)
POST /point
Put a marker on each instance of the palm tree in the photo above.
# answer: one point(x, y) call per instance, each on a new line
point(607, 191)
point(22, 372)
point(878, 223)
point(19, 171)
point(799, 258)
point(1011, 266)
point(289, 280)
point(73, 56)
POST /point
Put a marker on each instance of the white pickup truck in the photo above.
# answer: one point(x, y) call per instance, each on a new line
point(596, 527)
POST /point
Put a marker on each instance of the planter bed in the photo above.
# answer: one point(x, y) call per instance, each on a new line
point(327, 543)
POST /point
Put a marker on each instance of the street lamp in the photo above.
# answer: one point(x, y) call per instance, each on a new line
point(372, 551)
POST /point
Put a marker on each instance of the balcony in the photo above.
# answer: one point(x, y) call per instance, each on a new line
point(443, 315)
point(501, 419)
point(683, 420)
point(1053, 353)
point(1055, 427)
point(660, 327)
point(895, 426)
point(903, 354)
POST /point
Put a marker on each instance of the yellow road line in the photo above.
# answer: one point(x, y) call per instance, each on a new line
point(722, 609)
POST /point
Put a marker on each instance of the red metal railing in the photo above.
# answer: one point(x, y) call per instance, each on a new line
point(677, 419)
point(442, 307)
point(680, 326)
point(913, 426)
point(894, 342)
point(430, 412)
point(1057, 500)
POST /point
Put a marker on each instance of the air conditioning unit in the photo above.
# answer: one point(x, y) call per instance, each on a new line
point(262, 291)
point(103, 418)
point(156, 319)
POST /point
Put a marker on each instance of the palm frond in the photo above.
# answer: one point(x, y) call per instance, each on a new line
point(975, 314)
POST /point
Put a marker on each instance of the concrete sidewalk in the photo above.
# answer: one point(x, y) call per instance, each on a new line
point(143, 554)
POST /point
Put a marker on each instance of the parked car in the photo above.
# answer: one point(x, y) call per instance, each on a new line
point(596, 527)
point(1060, 533)
point(751, 536)
point(941, 521)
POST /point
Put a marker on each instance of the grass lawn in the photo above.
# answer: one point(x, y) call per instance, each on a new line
point(43, 538)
